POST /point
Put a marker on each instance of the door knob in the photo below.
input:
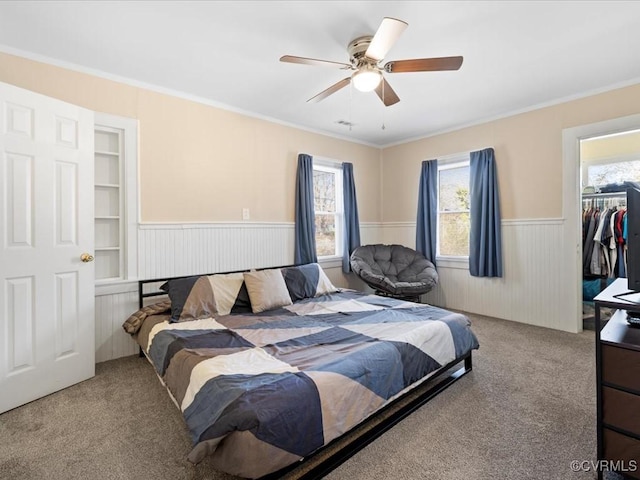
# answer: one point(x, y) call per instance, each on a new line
point(86, 258)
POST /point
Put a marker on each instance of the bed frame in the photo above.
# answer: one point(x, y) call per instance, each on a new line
point(436, 383)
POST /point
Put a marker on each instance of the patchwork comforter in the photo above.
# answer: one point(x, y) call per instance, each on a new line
point(259, 392)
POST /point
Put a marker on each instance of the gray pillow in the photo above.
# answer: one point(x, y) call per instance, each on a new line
point(267, 290)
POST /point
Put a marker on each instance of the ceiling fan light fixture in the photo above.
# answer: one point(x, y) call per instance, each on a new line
point(366, 71)
point(366, 79)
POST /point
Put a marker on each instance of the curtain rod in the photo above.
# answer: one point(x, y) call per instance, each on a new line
point(455, 156)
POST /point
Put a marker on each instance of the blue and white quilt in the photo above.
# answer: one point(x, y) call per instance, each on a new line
point(278, 385)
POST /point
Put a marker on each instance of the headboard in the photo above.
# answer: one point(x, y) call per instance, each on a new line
point(146, 290)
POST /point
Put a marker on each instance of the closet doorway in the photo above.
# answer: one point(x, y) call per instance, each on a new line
point(570, 260)
point(608, 165)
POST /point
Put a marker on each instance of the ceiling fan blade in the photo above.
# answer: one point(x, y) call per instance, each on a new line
point(332, 89)
point(388, 32)
point(386, 94)
point(423, 65)
point(314, 61)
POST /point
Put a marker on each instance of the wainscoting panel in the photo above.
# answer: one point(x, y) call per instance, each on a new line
point(174, 250)
point(401, 233)
point(370, 232)
point(535, 285)
point(112, 309)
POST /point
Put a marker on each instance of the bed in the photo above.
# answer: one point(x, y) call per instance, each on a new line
point(270, 367)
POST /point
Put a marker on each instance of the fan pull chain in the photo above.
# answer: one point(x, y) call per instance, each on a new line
point(384, 107)
point(350, 102)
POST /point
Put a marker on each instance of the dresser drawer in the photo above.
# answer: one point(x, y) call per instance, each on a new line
point(620, 448)
point(621, 409)
point(621, 367)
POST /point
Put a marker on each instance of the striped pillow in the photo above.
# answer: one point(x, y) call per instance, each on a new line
point(307, 281)
point(203, 296)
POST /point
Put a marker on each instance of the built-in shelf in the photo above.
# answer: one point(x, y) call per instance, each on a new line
point(108, 204)
point(102, 152)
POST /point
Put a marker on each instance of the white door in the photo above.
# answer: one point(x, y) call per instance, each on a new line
point(46, 208)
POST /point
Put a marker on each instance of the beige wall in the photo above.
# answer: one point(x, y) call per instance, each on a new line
point(199, 163)
point(528, 151)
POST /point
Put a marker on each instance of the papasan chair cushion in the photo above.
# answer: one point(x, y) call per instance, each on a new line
point(394, 270)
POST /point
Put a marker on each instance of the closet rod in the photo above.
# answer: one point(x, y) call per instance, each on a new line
point(604, 195)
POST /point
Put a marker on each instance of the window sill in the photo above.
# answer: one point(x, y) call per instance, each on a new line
point(333, 261)
point(461, 263)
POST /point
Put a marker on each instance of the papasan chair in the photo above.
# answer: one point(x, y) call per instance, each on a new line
point(394, 270)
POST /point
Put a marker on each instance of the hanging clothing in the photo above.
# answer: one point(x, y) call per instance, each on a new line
point(587, 244)
point(603, 239)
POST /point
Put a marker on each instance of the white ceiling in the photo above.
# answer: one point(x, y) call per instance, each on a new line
point(517, 55)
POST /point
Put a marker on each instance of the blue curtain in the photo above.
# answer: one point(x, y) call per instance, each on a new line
point(351, 221)
point(427, 210)
point(305, 227)
point(485, 242)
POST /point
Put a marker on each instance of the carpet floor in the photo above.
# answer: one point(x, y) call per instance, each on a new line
point(526, 411)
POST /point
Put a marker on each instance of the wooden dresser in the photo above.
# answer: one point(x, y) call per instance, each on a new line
point(618, 383)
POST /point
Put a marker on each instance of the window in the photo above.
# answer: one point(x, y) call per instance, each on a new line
point(115, 187)
point(609, 159)
point(606, 173)
point(453, 209)
point(327, 193)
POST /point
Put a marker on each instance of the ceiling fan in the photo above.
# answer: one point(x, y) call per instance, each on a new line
point(365, 55)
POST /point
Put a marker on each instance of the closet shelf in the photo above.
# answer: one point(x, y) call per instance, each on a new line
point(105, 152)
